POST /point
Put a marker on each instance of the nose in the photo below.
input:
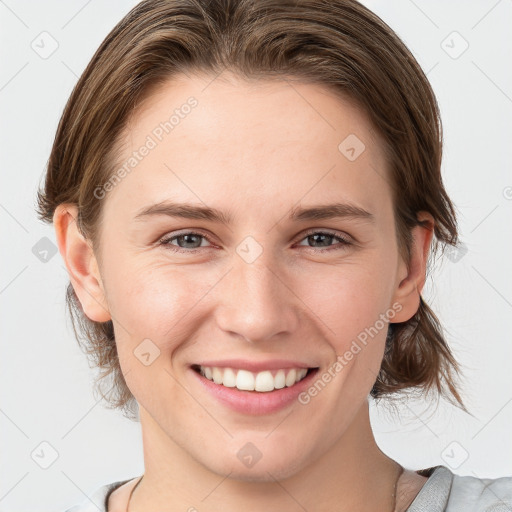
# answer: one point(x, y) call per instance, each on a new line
point(257, 301)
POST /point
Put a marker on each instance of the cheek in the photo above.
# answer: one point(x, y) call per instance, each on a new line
point(157, 310)
point(357, 291)
point(154, 300)
point(350, 300)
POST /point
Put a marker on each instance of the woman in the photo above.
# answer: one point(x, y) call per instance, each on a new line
point(204, 153)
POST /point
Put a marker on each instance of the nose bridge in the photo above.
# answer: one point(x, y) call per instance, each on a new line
point(256, 302)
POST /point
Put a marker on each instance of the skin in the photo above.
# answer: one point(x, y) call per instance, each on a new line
point(254, 151)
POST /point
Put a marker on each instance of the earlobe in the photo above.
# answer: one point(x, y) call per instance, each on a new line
point(409, 287)
point(80, 261)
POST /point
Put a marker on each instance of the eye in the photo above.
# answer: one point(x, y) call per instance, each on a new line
point(320, 239)
point(186, 242)
point(191, 241)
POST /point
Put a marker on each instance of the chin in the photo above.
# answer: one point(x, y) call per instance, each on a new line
point(264, 472)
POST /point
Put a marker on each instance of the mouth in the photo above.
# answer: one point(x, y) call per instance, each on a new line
point(264, 381)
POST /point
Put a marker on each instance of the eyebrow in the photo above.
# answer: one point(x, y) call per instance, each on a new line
point(331, 211)
point(299, 213)
point(185, 211)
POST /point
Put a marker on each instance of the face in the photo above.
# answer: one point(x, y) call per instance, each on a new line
point(273, 247)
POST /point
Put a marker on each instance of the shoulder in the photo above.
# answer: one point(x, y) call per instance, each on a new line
point(445, 491)
point(97, 501)
point(480, 494)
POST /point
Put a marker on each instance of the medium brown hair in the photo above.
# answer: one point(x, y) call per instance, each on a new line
point(338, 44)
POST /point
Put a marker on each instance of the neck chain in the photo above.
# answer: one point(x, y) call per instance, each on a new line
point(131, 492)
point(400, 471)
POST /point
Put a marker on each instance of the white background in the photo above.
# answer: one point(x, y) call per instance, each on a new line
point(46, 385)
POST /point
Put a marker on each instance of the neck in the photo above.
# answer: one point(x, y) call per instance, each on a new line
point(352, 475)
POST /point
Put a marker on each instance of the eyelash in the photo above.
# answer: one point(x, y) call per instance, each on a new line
point(165, 241)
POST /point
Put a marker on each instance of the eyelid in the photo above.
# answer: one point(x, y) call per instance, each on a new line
point(190, 231)
point(347, 239)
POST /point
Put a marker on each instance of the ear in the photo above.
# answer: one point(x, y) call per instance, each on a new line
point(411, 280)
point(77, 253)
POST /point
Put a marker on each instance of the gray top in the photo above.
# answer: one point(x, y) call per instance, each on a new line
point(442, 492)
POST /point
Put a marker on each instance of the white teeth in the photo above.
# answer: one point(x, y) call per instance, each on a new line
point(217, 376)
point(245, 380)
point(248, 381)
point(280, 379)
point(291, 377)
point(264, 382)
point(229, 378)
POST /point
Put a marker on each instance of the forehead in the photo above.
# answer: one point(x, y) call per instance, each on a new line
point(228, 105)
point(262, 139)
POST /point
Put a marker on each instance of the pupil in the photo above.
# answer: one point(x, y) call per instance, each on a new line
point(189, 239)
point(326, 239)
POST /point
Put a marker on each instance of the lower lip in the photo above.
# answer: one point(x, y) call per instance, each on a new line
point(255, 402)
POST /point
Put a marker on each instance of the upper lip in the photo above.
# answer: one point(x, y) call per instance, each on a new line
point(255, 366)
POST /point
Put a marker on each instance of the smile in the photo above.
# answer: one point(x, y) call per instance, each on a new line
point(244, 380)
